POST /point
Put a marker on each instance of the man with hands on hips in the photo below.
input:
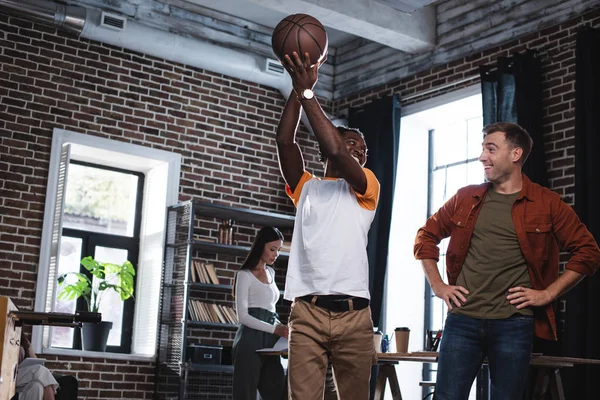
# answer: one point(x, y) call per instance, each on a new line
point(502, 264)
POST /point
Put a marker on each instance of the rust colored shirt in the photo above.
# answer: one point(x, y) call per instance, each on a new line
point(543, 224)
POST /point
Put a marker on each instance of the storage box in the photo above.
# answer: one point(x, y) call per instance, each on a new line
point(204, 354)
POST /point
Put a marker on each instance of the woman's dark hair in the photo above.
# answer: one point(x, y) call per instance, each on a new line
point(264, 236)
point(342, 130)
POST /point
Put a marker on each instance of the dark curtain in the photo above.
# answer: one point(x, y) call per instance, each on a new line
point(379, 121)
point(512, 92)
point(582, 325)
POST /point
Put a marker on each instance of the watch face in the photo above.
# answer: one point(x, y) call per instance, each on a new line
point(308, 94)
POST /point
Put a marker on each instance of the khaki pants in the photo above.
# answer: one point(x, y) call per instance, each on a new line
point(317, 334)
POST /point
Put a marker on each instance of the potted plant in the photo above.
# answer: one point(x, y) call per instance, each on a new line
point(73, 285)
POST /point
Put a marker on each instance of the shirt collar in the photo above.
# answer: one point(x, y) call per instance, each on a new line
point(526, 189)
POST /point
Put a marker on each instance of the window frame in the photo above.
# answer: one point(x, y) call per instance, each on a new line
point(162, 176)
point(91, 239)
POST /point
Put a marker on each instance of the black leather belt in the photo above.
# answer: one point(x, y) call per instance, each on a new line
point(337, 303)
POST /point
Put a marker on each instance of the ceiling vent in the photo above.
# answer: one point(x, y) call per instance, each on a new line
point(113, 21)
point(274, 67)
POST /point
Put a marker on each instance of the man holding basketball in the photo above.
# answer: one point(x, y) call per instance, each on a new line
point(328, 271)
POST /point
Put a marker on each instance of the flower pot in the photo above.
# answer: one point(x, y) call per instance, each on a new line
point(95, 336)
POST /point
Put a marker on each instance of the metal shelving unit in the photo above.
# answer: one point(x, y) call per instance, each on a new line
point(175, 377)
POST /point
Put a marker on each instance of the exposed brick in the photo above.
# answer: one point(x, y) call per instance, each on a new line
point(224, 129)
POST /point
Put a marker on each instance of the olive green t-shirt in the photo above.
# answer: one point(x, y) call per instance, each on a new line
point(494, 262)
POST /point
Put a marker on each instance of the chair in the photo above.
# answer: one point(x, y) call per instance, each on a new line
point(428, 384)
point(68, 387)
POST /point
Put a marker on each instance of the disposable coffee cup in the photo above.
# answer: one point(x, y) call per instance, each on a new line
point(402, 334)
point(377, 336)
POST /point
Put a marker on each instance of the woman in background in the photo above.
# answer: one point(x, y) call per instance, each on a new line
point(256, 294)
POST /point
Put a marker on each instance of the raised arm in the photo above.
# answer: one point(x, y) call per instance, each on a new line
point(304, 76)
point(291, 162)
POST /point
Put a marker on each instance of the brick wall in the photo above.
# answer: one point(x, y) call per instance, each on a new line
point(556, 46)
point(224, 129)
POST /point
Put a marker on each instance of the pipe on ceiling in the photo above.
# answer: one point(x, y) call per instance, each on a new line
point(86, 23)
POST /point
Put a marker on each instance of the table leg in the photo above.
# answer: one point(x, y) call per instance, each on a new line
point(541, 384)
point(387, 372)
point(380, 385)
point(394, 385)
point(556, 387)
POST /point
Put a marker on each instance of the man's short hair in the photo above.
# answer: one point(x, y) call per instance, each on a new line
point(341, 129)
point(514, 134)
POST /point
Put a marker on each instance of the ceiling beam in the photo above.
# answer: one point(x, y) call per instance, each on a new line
point(406, 6)
point(412, 33)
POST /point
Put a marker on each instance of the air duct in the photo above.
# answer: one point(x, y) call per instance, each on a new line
point(92, 24)
point(68, 18)
point(184, 50)
point(116, 30)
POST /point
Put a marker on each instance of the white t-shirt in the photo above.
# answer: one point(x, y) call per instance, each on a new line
point(32, 380)
point(328, 254)
point(252, 293)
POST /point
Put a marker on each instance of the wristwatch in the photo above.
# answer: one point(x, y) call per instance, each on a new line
point(307, 94)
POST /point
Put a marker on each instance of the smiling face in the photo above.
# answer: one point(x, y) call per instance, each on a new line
point(356, 146)
point(499, 158)
point(271, 252)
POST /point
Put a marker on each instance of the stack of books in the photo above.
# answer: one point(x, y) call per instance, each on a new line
point(204, 273)
point(207, 312)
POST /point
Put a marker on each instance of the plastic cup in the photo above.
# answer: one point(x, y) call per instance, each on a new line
point(377, 336)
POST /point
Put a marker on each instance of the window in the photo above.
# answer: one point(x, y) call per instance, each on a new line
point(440, 142)
point(454, 150)
point(82, 218)
point(102, 215)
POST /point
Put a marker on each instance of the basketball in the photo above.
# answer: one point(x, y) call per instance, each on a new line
point(300, 33)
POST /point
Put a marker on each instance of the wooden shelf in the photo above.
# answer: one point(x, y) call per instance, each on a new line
point(256, 217)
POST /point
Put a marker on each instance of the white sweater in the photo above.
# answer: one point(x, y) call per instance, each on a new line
point(252, 293)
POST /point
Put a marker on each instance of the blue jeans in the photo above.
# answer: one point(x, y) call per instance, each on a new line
point(466, 342)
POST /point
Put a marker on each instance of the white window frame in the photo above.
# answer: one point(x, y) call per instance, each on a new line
point(161, 169)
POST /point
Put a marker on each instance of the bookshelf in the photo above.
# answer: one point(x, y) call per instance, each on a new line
point(187, 285)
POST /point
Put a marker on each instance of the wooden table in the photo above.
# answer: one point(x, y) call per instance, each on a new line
point(548, 380)
point(547, 368)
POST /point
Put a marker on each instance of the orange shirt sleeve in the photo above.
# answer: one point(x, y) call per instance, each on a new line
point(370, 199)
point(295, 195)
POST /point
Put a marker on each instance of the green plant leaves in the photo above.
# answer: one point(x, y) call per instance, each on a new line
point(119, 278)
